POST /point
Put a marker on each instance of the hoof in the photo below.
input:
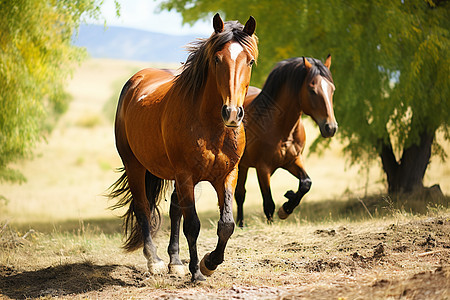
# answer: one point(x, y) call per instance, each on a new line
point(205, 271)
point(282, 214)
point(198, 277)
point(157, 268)
point(290, 195)
point(178, 270)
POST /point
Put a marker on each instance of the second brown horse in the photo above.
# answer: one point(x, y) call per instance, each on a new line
point(274, 130)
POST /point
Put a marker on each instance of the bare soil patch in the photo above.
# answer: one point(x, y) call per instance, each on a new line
point(377, 259)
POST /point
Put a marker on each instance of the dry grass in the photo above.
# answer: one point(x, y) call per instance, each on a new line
point(390, 257)
point(75, 237)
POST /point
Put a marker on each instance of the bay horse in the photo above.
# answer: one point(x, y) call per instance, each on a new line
point(188, 128)
point(274, 130)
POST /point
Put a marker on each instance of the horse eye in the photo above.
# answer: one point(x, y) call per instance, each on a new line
point(251, 63)
point(216, 60)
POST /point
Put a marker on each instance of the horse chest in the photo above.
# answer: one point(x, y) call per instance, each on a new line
point(216, 157)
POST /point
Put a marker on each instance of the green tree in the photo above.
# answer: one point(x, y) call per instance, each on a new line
point(390, 65)
point(36, 57)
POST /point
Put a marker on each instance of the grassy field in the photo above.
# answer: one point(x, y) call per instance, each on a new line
point(58, 238)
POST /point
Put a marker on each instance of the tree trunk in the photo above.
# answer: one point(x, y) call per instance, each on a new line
point(406, 175)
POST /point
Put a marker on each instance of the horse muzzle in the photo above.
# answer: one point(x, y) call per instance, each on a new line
point(328, 129)
point(232, 116)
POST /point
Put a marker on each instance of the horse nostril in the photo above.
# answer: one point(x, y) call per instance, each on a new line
point(232, 115)
point(330, 130)
point(240, 113)
point(225, 112)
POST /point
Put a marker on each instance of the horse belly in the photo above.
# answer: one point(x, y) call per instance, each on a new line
point(146, 142)
point(260, 153)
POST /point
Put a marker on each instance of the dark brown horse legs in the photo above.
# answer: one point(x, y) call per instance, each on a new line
point(191, 229)
point(191, 222)
point(294, 198)
point(175, 265)
point(240, 195)
point(136, 179)
point(154, 263)
point(264, 185)
point(225, 229)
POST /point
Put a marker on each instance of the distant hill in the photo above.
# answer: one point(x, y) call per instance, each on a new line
point(132, 44)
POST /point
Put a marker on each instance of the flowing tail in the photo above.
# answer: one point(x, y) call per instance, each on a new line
point(155, 189)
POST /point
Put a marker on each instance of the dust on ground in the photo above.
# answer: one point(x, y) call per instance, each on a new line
point(380, 260)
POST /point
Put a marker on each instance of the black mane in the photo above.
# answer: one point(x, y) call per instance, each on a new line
point(291, 72)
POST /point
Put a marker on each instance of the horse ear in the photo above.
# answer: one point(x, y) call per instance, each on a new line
point(328, 61)
point(250, 26)
point(217, 23)
point(307, 64)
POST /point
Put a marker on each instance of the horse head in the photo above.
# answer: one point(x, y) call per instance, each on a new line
point(231, 66)
point(317, 93)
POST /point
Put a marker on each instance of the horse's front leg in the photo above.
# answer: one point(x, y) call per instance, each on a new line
point(191, 222)
point(175, 265)
point(225, 226)
point(294, 198)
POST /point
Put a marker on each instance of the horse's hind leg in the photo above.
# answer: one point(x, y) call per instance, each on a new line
point(141, 208)
point(264, 185)
point(191, 222)
point(296, 169)
point(175, 265)
point(240, 195)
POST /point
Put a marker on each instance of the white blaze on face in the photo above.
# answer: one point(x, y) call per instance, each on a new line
point(235, 49)
point(325, 89)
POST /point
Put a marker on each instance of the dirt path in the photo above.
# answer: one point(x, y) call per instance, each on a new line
point(407, 259)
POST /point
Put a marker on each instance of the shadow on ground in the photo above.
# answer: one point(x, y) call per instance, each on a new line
point(351, 208)
point(354, 209)
point(102, 225)
point(66, 280)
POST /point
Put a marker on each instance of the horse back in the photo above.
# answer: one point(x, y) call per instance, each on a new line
point(138, 117)
point(144, 85)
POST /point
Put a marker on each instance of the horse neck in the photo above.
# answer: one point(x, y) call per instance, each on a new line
point(210, 104)
point(292, 111)
point(284, 111)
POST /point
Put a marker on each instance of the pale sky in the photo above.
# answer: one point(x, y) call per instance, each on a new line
point(141, 14)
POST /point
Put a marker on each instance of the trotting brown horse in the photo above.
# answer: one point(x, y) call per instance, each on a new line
point(274, 130)
point(186, 128)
